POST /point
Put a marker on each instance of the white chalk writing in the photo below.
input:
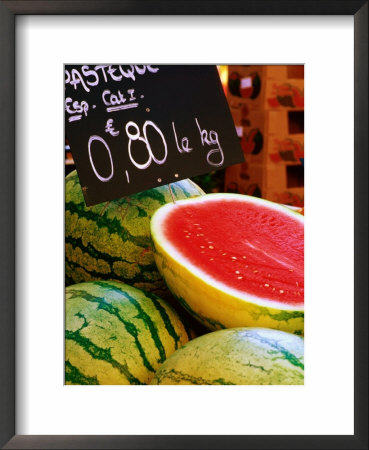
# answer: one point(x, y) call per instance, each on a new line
point(100, 139)
point(110, 129)
point(136, 136)
point(211, 138)
point(87, 77)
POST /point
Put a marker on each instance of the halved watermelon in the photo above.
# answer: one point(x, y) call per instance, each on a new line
point(233, 260)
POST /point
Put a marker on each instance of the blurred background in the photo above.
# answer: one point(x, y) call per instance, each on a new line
point(267, 106)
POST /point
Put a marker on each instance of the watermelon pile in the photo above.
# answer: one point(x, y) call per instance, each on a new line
point(143, 272)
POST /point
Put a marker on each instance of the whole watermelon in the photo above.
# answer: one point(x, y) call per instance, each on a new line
point(117, 334)
point(240, 356)
point(112, 240)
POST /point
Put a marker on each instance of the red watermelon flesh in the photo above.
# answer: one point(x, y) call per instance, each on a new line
point(253, 246)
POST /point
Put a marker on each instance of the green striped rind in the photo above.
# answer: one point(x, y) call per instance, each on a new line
point(117, 334)
point(241, 356)
point(112, 240)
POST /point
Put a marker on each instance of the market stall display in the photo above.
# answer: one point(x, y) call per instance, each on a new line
point(197, 280)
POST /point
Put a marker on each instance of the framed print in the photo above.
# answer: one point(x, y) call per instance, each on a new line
point(38, 408)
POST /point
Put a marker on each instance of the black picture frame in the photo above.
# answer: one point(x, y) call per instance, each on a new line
point(8, 11)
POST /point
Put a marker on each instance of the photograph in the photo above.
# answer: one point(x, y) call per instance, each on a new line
point(198, 280)
point(177, 180)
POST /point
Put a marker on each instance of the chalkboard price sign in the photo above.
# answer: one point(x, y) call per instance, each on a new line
point(132, 128)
